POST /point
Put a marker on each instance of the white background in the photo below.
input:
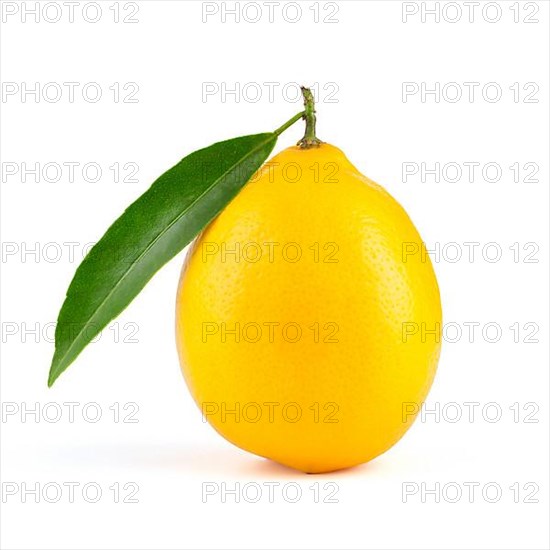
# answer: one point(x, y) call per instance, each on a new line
point(360, 63)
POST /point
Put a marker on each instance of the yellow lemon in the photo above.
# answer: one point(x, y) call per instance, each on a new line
point(308, 315)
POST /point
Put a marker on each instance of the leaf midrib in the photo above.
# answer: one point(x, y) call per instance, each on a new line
point(150, 245)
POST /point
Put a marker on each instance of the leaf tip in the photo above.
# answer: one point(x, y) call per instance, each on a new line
point(53, 375)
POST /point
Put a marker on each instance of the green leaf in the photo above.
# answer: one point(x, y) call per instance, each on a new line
point(152, 231)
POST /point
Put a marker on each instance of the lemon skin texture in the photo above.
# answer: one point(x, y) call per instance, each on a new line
point(318, 363)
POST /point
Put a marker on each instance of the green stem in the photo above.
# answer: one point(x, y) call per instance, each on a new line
point(289, 123)
point(310, 139)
